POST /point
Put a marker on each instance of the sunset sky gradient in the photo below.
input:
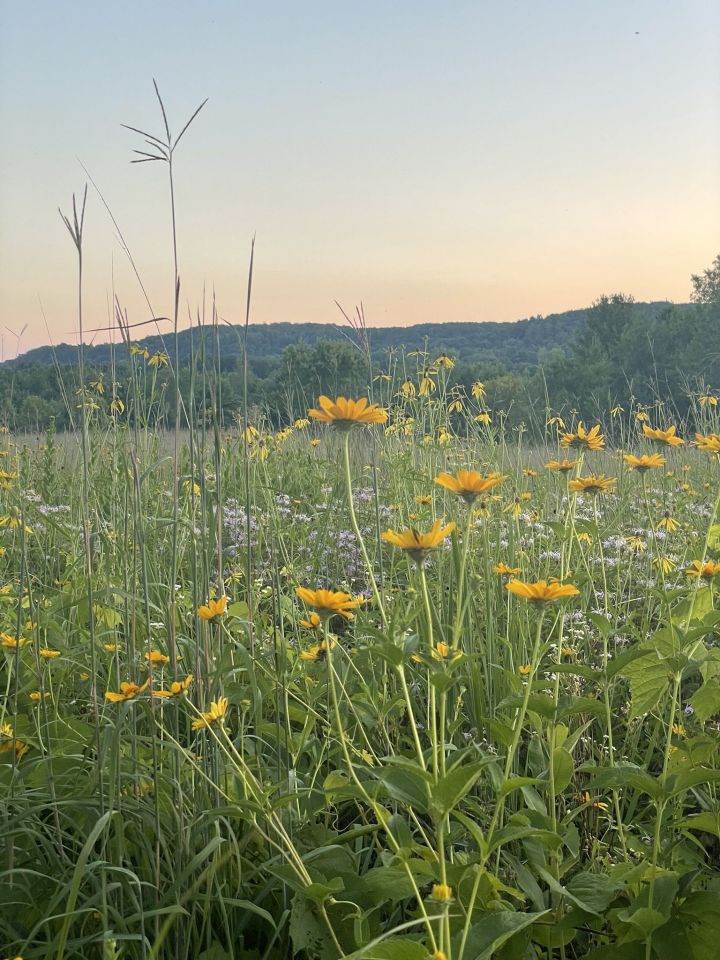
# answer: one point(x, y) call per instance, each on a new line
point(436, 161)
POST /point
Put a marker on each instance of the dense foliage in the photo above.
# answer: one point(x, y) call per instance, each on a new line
point(496, 735)
point(587, 360)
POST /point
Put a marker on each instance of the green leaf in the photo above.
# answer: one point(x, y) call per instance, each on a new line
point(394, 949)
point(707, 822)
point(706, 700)
point(407, 786)
point(563, 768)
point(593, 892)
point(490, 933)
point(624, 775)
point(453, 787)
point(700, 914)
point(649, 678)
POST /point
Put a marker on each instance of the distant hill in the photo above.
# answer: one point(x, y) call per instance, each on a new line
point(513, 344)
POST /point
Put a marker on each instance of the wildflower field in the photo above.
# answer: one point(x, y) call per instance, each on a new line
point(391, 682)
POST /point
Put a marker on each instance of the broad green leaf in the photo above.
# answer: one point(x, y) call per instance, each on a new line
point(490, 933)
point(706, 700)
point(706, 822)
point(452, 788)
point(394, 949)
point(649, 678)
point(563, 768)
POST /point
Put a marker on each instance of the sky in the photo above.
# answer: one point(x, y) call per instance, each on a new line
point(457, 161)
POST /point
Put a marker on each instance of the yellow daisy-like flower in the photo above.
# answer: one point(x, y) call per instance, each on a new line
point(447, 362)
point(9, 742)
point(592, 439)
point(419, 544)
point(592, 484)
point(213, 608)
point(313, 621)
point(444, 651)
point(668, 437)
point(345, 413)
point(709, 443)
point(708, 399)
point(111, 647)
point(469, 484)
point(47, 654)
point(669, 523)
point(664, 563)
point(156, 657)
point(503, 568)
point(706, 570)
point(327, 603)
point(427, 386)
point(441, 892)
point(525, 669)
point(128, 691)
point(478, 390)
point(13, 642)
point(216, 714)
point(636, 544)
point(483, 418)
point(644, 462)
point(159, 359)
point(175, 689)
point(563, 466)
point(542, 591)
point(36, 695)
point(319, 652)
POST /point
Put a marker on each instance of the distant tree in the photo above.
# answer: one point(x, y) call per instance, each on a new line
point(706, 285)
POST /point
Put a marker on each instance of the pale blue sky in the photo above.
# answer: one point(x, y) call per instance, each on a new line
point(439, 161)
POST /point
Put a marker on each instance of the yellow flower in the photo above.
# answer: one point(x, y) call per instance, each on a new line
point(111, 647)
point(645, 462)
point(564, 466)
point(128, 691)
point(159, 359)
point(529, 472)
point(216, 714)
point(709, 443)
point(407, 390)
point(302, 423)
point(525, 669)
point(541, 591)
point(47, 654)
point(190, 486)
point(586, 798)
point(502, 568)
point(136, 349)
point(706, 570)
point(315, 442)
point(155, 657)
point(669, 523)
point(641, 416)
point(327, 603)
point(176, 688)
point(664, 563)
point(444, 651)
point(568, 651)
point(213, 608)
point(319, 652)
point(456, 406)
point(592, 439)
point(12, 642)
point(592, 484)
point(344, 413)
point(636, 544)
point(313, 621)
point(478, 390)
point(708, 399)
point(418, 544)
point(9, 742)
point(423, 500)
point(427, 386)
point(556, 421)
point(678, 729)
point(36, 695)
point(469, 484)
point(668, 437)
point(117, 406)
point(483, 418)
point(441, 892)
point(447, 362)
